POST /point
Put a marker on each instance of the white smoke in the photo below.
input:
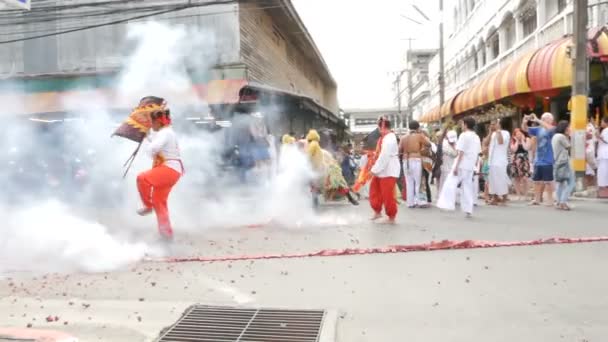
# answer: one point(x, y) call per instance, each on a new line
point(95, 228)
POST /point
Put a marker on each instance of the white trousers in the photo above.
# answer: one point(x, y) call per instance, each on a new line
point(498, 181)
point(475, 189)
point(412, 169)
point(465, 178)
point(602, 172)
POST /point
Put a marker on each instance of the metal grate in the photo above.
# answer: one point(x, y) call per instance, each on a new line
point(231, 324)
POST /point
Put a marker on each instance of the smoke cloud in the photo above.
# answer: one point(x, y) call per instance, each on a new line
point(65, 204)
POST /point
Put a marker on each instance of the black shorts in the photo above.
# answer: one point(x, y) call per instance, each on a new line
point(543, 173)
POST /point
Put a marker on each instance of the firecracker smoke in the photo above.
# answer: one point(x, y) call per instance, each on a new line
point(65, 204)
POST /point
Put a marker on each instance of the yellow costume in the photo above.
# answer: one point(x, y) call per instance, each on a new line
point(331, 181)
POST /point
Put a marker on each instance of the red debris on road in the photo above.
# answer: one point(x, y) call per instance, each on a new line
point(425, 247)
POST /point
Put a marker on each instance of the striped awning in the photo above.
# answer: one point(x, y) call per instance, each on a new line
point(551, 67)
point(598, 43)
point(431, 116)
point(508, 81)
point(548, 68)
point(448, 106)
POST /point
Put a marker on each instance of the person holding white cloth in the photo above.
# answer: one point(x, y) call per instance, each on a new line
point(498, 160)
point(468, 147)
point(448, 156)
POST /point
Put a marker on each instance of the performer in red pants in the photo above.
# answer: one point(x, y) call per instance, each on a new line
point(155, 185)
point(385, 170)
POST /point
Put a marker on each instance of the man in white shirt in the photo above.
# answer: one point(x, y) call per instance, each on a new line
point(602, 155)
point(385, 172)
point(155, 185)
point(468, 147)
point(498, 160)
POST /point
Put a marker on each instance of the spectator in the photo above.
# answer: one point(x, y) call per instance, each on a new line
point(498, 160)
point(543, 163)
point(520, 168)
point(563, 174)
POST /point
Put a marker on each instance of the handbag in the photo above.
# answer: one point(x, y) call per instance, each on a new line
point(562, 171)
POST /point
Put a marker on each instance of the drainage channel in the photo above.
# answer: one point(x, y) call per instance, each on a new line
point(232, 324)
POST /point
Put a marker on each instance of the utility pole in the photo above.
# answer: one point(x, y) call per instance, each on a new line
point(441, 78)
point(398, 86)
point(579, 90)
point(409, 70)
point(441, 71)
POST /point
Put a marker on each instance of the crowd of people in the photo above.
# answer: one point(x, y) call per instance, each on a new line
point(464, 167)
point(467, 168)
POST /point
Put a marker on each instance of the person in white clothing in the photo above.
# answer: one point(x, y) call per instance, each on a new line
point(449, 154)
point(498, 160)
point(602, 154)
point(468, 147)
point(385, 172)
point(155, 185)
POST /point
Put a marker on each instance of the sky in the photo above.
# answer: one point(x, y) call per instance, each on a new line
point(363, 43)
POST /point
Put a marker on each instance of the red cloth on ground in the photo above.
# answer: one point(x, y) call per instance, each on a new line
point(154, 187)
point(382, 194)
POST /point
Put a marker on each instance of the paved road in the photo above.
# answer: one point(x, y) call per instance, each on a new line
point(542, 293)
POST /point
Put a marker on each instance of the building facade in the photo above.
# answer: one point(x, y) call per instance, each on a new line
point(488, 41)
point(254, 55)
point(361, 122)
point(418, 64)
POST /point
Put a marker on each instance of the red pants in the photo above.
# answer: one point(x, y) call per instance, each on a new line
point(382, 193)
point(154, 187)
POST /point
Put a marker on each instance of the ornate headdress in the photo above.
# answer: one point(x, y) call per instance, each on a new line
point(139, 122)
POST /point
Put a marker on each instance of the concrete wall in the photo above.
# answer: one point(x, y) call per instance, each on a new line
point(274, 59)
point(103, 48)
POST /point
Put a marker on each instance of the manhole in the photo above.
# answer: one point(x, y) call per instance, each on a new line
point(231, 324)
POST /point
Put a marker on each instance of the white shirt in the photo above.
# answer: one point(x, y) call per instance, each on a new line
point(387, 164)
point(470, 145)
point(499, 154)
point(164, 142)
point(602, 146)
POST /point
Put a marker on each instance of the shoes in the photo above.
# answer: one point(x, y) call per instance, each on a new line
point(376, 217)
point(144, 211)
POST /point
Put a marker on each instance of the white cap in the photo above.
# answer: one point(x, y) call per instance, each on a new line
point(451, 136)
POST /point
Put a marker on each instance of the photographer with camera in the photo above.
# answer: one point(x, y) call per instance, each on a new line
point(543, 161)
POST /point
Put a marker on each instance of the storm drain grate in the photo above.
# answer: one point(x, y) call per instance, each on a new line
point(230, 324)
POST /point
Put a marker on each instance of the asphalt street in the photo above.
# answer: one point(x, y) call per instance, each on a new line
point(538, 293)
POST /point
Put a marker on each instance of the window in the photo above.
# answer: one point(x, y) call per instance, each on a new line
point(495, 46)
point(561, 5)
point(475, 61)
point(509, 28)
point(528, 20)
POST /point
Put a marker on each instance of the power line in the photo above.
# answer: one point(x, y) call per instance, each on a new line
point(115, 22)
point(159, 19)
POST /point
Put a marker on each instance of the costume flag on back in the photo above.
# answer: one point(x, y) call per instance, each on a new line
point(137, 125)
